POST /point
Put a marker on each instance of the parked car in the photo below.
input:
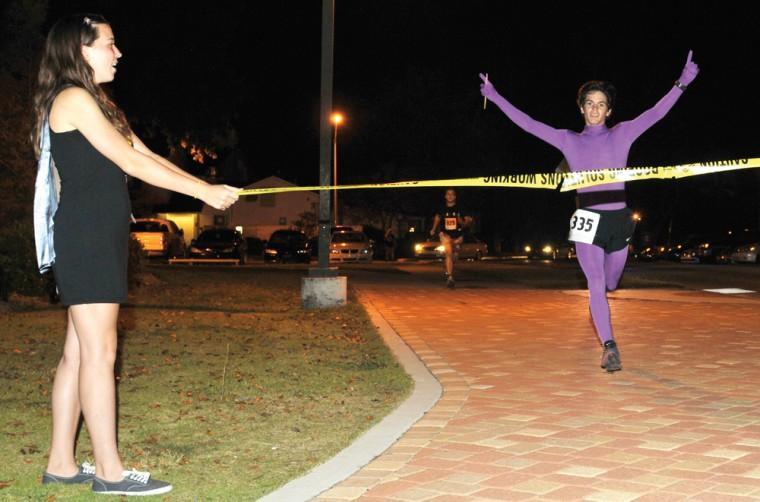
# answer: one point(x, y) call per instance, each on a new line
point(565, 251)
point(675, 251)
point(158, 237)
point(350, 246)
point(540, 250)
point(651, 253)
point(689, 255)
point(713, 252)
point(220, 242)
point(471, 248)
point(746, 253)
point(287, 245)
point(714, 247)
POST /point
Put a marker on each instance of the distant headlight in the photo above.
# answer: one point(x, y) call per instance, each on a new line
point(440, 248)
point(547, 249)
point(528, 249)
point(365, 251)
point(418, 248)
point(302, 251)
point(270, 251)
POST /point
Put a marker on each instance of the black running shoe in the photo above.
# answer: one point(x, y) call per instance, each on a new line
point(134, 483)
point(450, 283)
point(85, 475)
point(611, 357)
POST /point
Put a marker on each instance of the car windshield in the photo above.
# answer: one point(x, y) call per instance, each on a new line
point(148, 226)
point(286, 238)
point(348, 237)
point(217, 235)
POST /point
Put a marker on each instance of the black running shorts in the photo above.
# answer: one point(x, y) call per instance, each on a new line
point(614, 230)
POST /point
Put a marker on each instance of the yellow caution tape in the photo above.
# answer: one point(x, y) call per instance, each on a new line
point(550, 181)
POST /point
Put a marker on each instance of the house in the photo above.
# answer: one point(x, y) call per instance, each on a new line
point(184, 211)
point(260, 215)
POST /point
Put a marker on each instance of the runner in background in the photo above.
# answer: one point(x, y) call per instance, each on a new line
point(452, 220)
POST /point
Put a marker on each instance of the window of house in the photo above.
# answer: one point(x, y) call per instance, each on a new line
point(267, 200)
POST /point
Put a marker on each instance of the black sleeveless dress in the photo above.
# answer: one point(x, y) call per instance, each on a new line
point(91, 225)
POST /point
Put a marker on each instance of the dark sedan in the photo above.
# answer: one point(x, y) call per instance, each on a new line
point(219, 243)
point(287, 245)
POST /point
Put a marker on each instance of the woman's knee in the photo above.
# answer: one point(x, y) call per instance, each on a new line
point(99, 353)
point(70, 359)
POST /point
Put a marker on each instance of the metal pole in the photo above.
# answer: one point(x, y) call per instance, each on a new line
point(328, 10)
point(335, 176)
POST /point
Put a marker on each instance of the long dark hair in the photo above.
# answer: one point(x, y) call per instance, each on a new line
point(63, 65)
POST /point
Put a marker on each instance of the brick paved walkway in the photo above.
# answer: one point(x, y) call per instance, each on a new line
point(527, 414)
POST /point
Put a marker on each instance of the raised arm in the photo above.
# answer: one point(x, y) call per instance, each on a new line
point(554, 137)
point(79, 110)
point(634, 128)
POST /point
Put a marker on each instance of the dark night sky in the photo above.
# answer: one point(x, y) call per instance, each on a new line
point(406, 77)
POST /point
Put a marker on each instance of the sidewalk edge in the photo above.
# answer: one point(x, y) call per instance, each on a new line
point(427, 391)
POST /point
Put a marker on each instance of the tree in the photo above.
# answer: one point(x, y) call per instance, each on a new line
point(307, 223)
point(19, 45)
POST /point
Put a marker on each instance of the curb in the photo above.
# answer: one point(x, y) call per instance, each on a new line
point(427, 391)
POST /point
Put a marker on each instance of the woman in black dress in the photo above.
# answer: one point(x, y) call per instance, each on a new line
point(94, 149)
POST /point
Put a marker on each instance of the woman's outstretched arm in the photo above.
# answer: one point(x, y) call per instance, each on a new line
point(79, 110)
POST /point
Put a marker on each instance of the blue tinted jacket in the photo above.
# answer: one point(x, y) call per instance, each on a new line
point(45, 202)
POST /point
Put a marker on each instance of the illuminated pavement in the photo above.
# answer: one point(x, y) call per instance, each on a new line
point(527, 414)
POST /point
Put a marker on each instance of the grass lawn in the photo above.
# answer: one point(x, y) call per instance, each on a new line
point(227, 387)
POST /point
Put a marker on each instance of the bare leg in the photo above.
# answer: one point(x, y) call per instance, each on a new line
point(66, 407)
point(95, 326)
point(448, 252)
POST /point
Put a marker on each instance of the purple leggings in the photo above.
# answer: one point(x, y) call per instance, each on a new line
point(603, 272)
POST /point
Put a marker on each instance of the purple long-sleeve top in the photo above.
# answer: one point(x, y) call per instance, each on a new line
point(596, 147)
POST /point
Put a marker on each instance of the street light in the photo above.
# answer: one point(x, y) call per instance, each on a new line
point(337, 119)
point(636, 217)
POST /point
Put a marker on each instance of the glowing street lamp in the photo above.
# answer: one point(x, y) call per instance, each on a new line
point(336, 119)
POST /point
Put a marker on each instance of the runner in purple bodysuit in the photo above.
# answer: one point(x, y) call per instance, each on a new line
point(599, 147)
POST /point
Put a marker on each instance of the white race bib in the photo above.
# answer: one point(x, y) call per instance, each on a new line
point(450, 223)
point(583, 225)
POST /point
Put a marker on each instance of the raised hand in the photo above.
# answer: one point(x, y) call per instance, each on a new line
point(219, 196)
point(487, 89)
point(689, 72)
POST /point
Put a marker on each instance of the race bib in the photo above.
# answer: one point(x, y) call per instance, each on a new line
point(450, 223)
point(583, 225)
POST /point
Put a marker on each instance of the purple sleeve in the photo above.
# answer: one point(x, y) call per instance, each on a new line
point(554, 137)
point(636, 127)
